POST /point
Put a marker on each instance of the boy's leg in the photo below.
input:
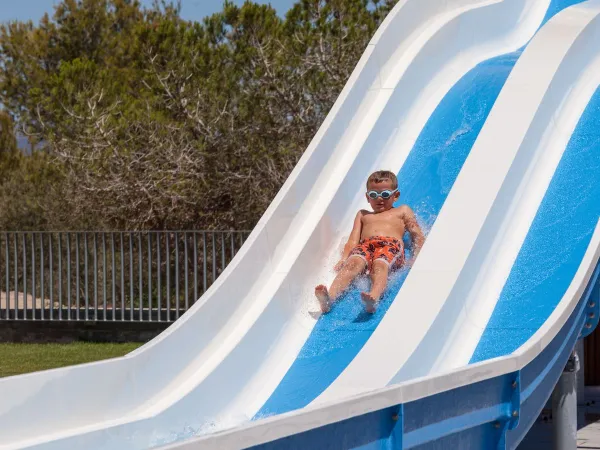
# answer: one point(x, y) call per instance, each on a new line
point(353, 267)
point(379, 276)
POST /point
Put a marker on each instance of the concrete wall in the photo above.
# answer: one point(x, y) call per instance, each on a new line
point(46, 331)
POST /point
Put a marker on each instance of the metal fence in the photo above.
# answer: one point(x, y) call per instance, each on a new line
point(109, 276)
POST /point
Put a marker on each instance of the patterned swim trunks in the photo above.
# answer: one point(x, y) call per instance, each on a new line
point(387, 249)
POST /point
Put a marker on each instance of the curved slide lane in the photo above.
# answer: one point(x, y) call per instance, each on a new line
point(554, 246)
point(424, 182)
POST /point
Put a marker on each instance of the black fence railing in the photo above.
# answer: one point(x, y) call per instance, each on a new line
point(110, 276)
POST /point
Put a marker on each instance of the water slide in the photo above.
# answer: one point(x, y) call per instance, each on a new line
point(489, 113)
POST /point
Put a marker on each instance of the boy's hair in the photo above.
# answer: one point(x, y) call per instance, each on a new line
point(382, 175)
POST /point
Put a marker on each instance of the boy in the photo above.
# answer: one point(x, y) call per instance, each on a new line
point(375, 244)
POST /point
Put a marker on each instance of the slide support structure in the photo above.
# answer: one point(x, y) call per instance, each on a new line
point(397, 434)
point(592, 313)
point(564, 406)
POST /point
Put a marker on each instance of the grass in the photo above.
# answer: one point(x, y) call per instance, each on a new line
point(16, 359)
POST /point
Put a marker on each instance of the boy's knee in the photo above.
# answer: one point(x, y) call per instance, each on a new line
point(380, 266)
point(355, 264)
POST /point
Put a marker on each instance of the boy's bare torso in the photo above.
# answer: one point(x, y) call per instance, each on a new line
point(391, 223)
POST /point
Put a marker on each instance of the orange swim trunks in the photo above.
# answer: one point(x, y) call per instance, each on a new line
point(387, 249)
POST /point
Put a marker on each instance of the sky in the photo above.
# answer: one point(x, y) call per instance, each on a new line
point(190, 9)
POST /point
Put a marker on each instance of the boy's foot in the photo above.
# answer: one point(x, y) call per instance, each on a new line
point(369, 301)
point(323, 297)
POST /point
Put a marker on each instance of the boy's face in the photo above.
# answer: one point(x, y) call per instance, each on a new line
point(380, 204)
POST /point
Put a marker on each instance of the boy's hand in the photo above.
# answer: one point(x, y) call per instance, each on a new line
point(339, 265)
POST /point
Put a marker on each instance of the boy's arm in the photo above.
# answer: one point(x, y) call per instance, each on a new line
point(416, 234)
point(353, 240)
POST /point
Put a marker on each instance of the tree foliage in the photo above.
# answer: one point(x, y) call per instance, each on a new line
point(139, 119)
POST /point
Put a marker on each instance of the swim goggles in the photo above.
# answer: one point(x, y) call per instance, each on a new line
point(383, 194)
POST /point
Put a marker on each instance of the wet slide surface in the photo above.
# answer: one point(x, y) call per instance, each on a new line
point(554, 246)
point(424, 181)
